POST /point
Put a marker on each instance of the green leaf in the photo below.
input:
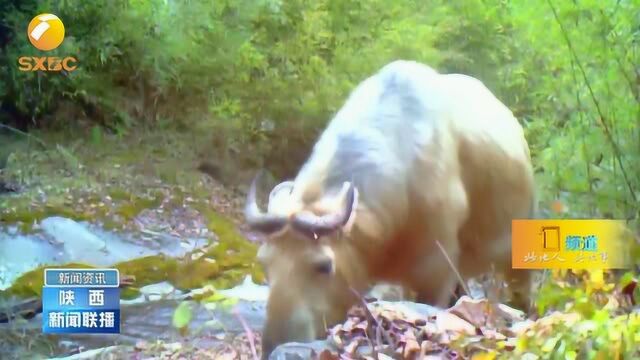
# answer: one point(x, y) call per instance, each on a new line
point(215, 297)
point(626, 279)
point(218, 299)
point(550, 343)
point(182, 315)
point(71, 160)
point(228, 303)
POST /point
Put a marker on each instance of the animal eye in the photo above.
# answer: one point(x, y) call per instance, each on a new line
point(324, 267)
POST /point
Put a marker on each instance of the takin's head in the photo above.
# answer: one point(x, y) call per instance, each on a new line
point(303, 261)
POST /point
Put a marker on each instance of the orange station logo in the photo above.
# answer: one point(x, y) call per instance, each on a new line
point(46, 32)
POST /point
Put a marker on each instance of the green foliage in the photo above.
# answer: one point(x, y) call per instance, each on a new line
point(263, 77)
point(594, 323)
point(601, 336)
point(182, 315)
point(218, 300)
point(580, 291)
point(582, 108)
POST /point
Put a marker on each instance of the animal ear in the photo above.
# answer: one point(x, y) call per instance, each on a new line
point(351, 216)
point(265, 223)
point(265, 252)
point(281, 190)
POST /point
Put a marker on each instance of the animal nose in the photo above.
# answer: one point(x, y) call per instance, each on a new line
point(324, 266)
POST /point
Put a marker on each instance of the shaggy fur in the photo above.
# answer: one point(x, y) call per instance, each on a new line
point(434, 157)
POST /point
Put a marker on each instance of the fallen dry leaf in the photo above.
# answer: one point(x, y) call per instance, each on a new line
point(612, 303)
point(352, 347)
point(629, 289)
point(382, 356)
point(411, 346)
point(446, 321)
point(519, 328)
point(492, 334)
point(545, 326)
point(510, 344)
point(477, 312)
point(428, 347)
point(383, 332)
point(510, 314)
point(482, 313)
point(349, 324)
point(327, 355)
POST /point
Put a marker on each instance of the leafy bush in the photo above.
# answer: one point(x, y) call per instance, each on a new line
point(584, 107)
point(261, 78)
point(596, 322)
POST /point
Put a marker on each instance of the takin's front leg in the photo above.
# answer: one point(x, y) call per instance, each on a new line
point(435, 277)
point(435, 281)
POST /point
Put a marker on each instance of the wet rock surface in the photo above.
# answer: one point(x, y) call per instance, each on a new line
point(301, 351)
point(61, 240)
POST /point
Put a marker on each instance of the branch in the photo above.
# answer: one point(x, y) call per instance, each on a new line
point(623, 71)
point(372, 321)
point(27, 135)
point(605, 127)
point(455, 270)
point(248, 332)
point(584, 143)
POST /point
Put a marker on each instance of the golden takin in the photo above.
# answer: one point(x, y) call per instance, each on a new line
point(415, 164)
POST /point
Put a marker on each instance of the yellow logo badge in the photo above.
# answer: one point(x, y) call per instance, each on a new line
point(46, 32)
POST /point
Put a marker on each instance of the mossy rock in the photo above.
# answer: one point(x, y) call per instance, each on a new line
point(147, 270)
point(127, 207)
point(26, 216)
point(233, 250)
point(130, 209)
point(222, 265)
point(120, 194)
point(195, 273)
point(30, 283)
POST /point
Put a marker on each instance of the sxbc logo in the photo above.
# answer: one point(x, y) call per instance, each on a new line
point(46, 32)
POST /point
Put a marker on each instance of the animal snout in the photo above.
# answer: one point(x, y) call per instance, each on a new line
point(290, 326)
point(324, 267)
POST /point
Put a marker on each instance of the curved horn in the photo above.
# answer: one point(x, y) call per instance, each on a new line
point(317, 226)
point(258, 220)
